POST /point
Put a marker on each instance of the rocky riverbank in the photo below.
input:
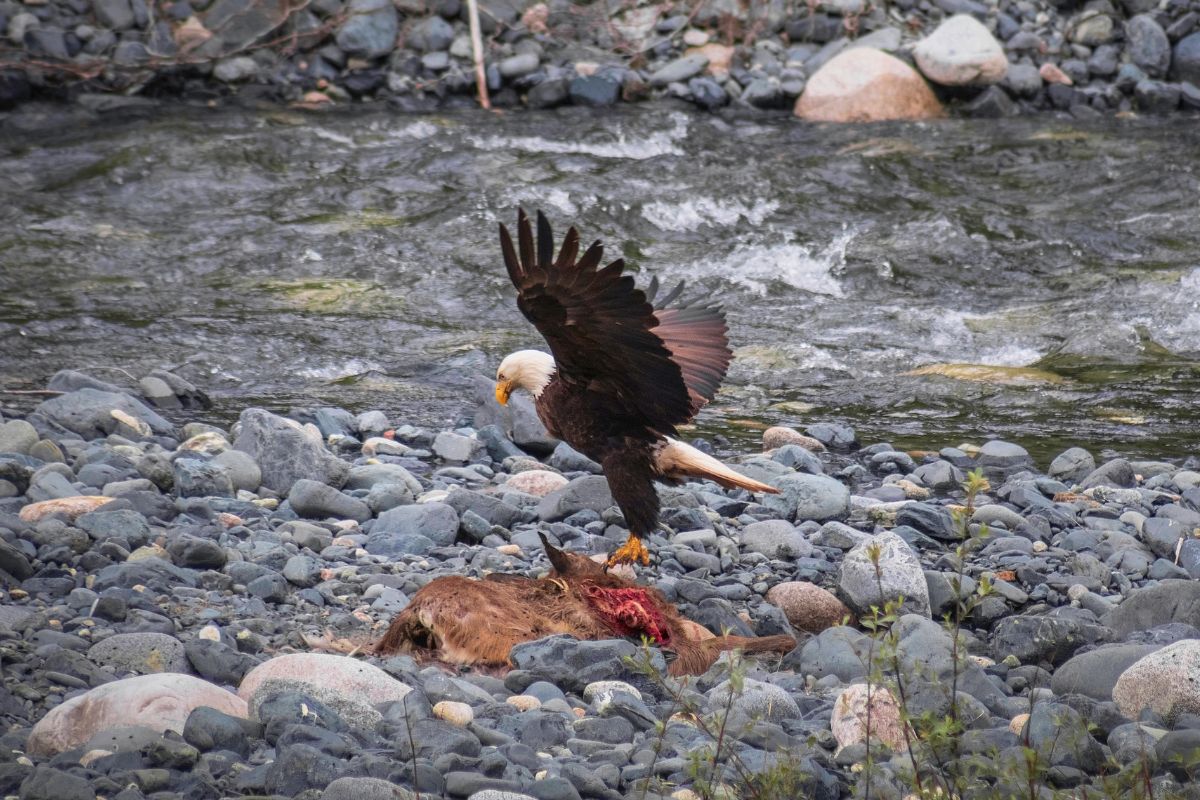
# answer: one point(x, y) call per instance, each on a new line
point(827, 60)
point(186, 610)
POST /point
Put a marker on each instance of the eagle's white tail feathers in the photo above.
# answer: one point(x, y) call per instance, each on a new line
point(676, 459)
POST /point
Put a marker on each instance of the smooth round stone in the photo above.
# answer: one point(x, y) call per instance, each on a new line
point(455, 713)
point(524, 702)
point(159, 702)
point(140, 653)
point(597, 689)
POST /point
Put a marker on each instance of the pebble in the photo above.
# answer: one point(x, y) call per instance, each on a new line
point(224, 587)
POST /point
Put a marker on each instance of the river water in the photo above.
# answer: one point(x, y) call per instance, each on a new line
point(282, 258)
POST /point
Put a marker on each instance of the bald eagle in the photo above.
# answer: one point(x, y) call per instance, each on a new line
point(621, 374)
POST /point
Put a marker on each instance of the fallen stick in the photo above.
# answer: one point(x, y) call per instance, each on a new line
point(477, 52)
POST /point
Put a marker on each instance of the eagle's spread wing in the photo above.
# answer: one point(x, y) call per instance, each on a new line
point(696, 336)
point(659, 365)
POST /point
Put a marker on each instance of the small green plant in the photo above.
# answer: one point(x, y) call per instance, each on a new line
point(935, 764)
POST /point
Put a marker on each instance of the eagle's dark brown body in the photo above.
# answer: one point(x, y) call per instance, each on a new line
point(627, 369)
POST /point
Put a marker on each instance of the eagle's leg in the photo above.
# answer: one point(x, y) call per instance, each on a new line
point(633, 551)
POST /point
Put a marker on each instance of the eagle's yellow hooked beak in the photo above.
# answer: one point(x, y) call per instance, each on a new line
point(503, 390)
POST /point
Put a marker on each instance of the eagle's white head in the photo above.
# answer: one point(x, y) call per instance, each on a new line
point(525, 369)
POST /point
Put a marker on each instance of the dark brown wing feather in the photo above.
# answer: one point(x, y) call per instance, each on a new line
point(601, 328)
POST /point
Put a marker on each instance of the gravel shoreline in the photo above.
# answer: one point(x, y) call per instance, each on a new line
point(831, 60)
point(186, 608)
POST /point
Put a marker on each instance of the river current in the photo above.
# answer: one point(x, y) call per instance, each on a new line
point(1036, 280)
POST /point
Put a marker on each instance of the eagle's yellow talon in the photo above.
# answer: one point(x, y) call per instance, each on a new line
point(633, 551)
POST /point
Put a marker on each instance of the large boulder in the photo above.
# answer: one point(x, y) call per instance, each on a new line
point(881, 569)
point(807, 606)
point(370, 28)
point(1151, 606)
point(866, 85)
point(809, 497)
point(89, 413)
point(1166, 681)
point(161, 702)
point(286, 453)
point(1148, 45)
point(1096, 672)
point(348, 686)
point(961, 52)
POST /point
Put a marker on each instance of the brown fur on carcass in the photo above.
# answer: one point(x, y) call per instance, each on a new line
point(477, 622)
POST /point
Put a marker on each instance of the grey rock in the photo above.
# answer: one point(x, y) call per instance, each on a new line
point(775, 538)
point(154, 573)
point(197, 552)
point(1000, 459)
point(707, 93)
point(196, 478)
point(303, 571)
point(438, 522)
point(237, 68)
point(115, 14)
point(839, 535)
point(298, 767)
point(1151, 606)
point(840, 651)
point(489, 507)
point(140, 653)
point(939, 475)
point(929, 519)
point(1148, 46)
point(1095, 672)
point(595, 91)
point(218, 662)
point(518, 65)
point(942, 594)
point(587, 492)
point(1116, 473)
point(46, 783)
point(271, 587)
point(317, 500)
point(456, 447)
point(572, 664)
point(1022, 80)
point(1162, 535)
point(567, 459)
point(833, 435)
point(398, 544)
point(681, 69)
point(430, 34)
point(1052, 636)
point(123, 523)
point(899, 576)
point(809, 497)
point(370, 28)
point(14, 562)
point(286, 454)
point(757, 702)
point(355, 788)
point(244, 474)
point(208, 729)
point(369, 475)
point(386, 496)
point(1185, 61)
point(547, 94)
point(17, 436)
point(1060, 735)
point(1072, 466)
point(88, 412)
point(305, 534)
